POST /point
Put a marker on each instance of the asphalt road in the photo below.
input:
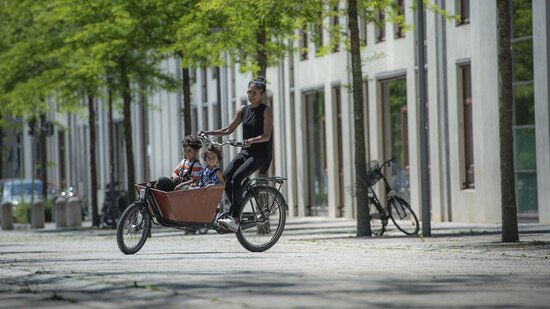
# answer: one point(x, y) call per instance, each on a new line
point(316, 264)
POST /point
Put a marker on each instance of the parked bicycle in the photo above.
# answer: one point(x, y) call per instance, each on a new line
point(262, 214)
point(111, 210)
point(398, 210)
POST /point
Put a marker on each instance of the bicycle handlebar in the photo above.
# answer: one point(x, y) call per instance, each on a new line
point(388, 162)
point(232, 142)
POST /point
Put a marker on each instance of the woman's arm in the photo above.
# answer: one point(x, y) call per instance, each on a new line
point(268, 127)
point(231, 127)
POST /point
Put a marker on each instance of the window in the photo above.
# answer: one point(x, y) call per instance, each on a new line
point(233, 88)
point(205, 117)
point(363, 31)
point(398, 31)
point(318, 38)
point(291, 67)
point(204, 92)
point(194, 118)
point(468, 178)
point(525, 161)
point(464, 11)
point(304, 44)
point(334, 30)
point(380, 27)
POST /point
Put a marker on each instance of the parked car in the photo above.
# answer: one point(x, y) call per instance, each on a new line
point(17, 191)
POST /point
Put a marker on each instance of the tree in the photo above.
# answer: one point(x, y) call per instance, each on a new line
point(363, 219)
point(26, 64)
point(507, 176)
point(115, 42)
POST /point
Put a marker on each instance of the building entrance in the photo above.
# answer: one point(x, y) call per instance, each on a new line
point(316, 154)
point(394, 102)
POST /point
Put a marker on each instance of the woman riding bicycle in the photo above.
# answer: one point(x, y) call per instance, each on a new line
point(257, 120)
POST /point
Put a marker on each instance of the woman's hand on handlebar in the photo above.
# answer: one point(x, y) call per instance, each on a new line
point(246, 143)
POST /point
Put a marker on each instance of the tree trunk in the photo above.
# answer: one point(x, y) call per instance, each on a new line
point(186, 101)
point(93, 171)
point(261, 53)
point(43, 156)
point(127, 101)
point(363, 220)
point(507, 177)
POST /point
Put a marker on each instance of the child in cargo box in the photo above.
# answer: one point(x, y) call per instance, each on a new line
point(188, 169)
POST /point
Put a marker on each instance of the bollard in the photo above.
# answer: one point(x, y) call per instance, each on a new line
point(74, 212)
point(37, 215)
point(7, 216)
point(61, 212)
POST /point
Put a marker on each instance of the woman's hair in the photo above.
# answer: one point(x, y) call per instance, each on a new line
point(191, 141)
point(259, 82)
point(215, 149)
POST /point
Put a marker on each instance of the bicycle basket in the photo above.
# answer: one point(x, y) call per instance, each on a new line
point(374, 174)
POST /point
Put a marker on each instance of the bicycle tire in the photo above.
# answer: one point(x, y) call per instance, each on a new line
point(403, 216)
point(256, 232)
point(377, 223)
point(134, 223)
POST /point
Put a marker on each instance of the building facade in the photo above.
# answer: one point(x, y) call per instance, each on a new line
point(313, 117)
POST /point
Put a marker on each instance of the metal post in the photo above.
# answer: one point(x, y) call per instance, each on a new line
point(423, 125)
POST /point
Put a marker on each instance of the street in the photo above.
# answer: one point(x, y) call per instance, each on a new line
point(317, 263)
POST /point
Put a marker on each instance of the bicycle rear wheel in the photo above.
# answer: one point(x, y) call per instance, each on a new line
point(262, 219)
point(402, 215)
point(377, 224)
point(133, 228)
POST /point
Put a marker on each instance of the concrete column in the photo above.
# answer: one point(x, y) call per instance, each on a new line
point(37, 215)
point(74, 212)
point(541, 58)
point(61, 212)
point(7, 216)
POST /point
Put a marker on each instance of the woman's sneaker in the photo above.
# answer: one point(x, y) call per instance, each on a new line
point(229, 223)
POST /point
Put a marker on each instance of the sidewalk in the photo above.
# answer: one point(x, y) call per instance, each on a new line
point(317, 263)
point(329, 227)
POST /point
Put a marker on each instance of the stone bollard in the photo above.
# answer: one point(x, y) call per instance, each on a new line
point(7, 216)
point(61, 212)
point(37, 215)
point(74, 212)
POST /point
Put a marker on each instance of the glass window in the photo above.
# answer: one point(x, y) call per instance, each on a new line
point(318, 38)
point(334, 30)
point(522, 54)
point(464, 10)
point(398, 27)
point(363, 31)
point(304, 44)
point(524, 99)
point(526, 193)
point(525, 158)
point(396, 136)
point(468, 142)
point(204, 92)
point(381, 27)
point(522, 18)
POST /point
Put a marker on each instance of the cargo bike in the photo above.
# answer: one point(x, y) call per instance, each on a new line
point(262, 213)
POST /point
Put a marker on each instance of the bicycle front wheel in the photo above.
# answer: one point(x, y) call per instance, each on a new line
point(262, 219)
point(403, 216)
point(133, 228)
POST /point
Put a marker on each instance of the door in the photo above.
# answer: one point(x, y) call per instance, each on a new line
point(394, 102)
point(316, 154)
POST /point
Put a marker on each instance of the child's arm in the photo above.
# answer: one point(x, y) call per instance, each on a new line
point(220, 185)
point(188, 182)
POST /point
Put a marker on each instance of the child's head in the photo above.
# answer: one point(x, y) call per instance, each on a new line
point(191, 146)
point(212, 155)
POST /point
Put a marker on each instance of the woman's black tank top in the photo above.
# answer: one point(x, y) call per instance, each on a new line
point(253, 125)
